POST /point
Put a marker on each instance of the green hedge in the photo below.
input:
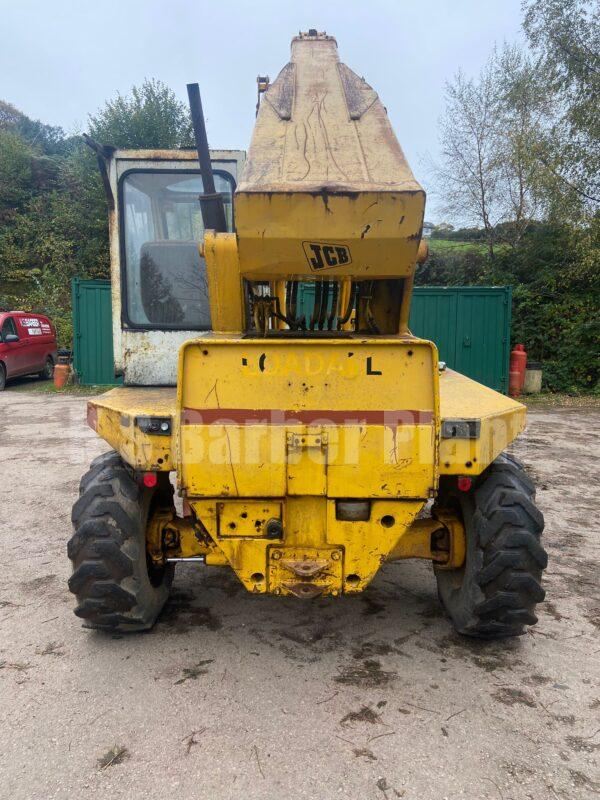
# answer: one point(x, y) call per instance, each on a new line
point(555, 273)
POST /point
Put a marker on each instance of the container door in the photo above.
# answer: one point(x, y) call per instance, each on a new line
point(433, 317)
point(92, 333)
point(481, 336)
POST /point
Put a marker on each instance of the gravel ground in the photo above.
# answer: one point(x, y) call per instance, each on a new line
point(234, 696)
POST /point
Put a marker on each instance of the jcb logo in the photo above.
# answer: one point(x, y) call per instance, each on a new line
point(321, 255)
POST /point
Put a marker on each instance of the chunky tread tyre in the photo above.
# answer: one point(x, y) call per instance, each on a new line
point(110, 579)
point(495, 593)
point(97, 465)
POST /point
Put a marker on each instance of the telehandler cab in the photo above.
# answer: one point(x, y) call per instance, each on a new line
point(308, 450)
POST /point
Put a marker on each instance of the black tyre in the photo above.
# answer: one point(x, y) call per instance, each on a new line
point(2, 377)
point(495, 592)
point(48, 372)
point(116, 586)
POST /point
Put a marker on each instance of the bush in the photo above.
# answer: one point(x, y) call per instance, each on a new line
point(555, 273)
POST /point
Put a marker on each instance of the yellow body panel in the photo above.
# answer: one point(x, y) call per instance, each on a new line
point(224, 281)
point(380, 230)
point(324, 167)
point(303, 422)
point(310, 524)
point(238, 477)
point(113, 416)
point(501, 418)
point(395, 461)
point(240, 518)
point(321, 125)
point(268, 418)
point(333, 374)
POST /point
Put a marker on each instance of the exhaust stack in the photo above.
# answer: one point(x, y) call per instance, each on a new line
point(211, 202)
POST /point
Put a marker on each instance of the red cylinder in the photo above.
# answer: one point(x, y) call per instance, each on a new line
point(514, 383)
point(518, 363)
point(61, 375)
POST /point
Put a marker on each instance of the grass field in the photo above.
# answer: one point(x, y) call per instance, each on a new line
point(449, 245)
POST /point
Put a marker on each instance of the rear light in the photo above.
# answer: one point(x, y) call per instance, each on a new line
point(160, 426)
point(150, 479)
point(464, 483)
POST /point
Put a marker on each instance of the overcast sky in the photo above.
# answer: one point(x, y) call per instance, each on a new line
point(61, 60)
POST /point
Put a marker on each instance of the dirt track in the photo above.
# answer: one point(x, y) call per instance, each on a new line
point(234, 696)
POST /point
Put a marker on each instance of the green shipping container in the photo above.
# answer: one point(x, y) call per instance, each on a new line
point(92, 333)
point(469, 324)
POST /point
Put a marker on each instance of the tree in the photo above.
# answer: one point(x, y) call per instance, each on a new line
point(492, 134)
point(521, 161)
point(15, 173)
point(565, 37)
point(49, 139)
point(523, 114)
point(53, 220)
point(151, 117)
point(467, 175)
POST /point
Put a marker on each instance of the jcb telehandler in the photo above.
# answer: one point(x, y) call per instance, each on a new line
point(308, 450)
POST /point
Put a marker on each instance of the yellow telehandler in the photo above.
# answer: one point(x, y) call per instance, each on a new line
point(308, 450)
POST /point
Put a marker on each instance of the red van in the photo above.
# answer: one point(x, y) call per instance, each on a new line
point(27, 345)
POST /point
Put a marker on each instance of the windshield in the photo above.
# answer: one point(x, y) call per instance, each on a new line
point(165, 278)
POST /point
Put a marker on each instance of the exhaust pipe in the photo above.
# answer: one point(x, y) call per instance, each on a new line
point(211, 202)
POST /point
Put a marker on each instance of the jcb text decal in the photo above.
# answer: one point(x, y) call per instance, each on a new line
point(325, 255)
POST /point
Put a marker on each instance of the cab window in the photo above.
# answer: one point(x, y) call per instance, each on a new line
point(8, 327)
point(165, 284)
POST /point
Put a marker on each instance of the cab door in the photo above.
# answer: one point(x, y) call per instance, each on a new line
point(14, 353)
